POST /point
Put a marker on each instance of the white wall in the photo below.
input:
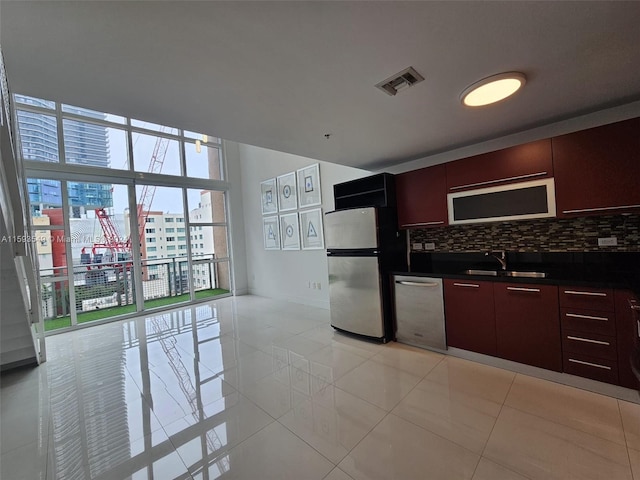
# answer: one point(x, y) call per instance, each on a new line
point(282, 274)
point(235, 207)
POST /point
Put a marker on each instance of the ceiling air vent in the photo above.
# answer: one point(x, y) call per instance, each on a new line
point(400, 81)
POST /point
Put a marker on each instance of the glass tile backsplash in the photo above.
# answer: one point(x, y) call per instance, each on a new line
point(552, 235)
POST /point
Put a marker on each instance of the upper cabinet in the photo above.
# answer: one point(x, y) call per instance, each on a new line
point(374, 191)
point(422, 198)
point(529, 161)
point(597, 171)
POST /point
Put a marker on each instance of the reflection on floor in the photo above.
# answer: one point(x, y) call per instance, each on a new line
point(251, 388)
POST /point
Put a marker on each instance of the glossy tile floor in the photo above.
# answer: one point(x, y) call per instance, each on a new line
point(251, 388)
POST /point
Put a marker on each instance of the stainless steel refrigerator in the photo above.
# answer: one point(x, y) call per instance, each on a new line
point(363, 247)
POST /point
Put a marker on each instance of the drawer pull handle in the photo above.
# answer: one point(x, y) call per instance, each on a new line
point(466, 285)
point(604, 367)
point(417, 284)
point(588, 340)
point(591, 294)
point(600, 209)
point(587, 317)
point(522, 289)
point(419, 224)
point(507, 179)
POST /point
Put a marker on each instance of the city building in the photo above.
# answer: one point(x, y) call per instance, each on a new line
point(84, 144)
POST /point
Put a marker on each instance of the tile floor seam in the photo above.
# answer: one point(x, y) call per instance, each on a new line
point(412, 388)
point(636, 475)
point(435, 434)
point(262, 409)
point(526, 412)
point(333, 382)
point(224, 451)
point(362, 399)
point(624, 430)
point(484, 448)
point(314, 448)
point(405, 371)
point(364, 437)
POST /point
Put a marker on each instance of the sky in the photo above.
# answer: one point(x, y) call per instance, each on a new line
point(165, 199)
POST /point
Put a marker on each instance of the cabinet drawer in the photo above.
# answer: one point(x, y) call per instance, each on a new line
point(593, 345)
point(587, 298)
point(592, 321)
point(590, 367)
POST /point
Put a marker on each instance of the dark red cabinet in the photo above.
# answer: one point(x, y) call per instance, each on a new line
point(626, 331)
point(530, 161)
point(600, 299)
point(588, 321)
point(528, 324)
point(596, 170)
point(470, 316)
point(422, 198)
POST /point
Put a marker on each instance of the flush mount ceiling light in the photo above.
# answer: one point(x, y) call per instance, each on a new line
point(492, 89)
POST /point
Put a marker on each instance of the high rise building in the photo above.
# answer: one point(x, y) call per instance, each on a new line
point(85, 143)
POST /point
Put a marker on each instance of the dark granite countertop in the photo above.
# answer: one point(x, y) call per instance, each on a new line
point(587, 269)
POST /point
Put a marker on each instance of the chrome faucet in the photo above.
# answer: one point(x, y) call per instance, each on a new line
point(502, 258)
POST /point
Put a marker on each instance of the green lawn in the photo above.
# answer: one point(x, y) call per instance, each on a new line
point(63, 322)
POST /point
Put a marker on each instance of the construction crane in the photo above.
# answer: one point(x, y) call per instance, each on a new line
point(149, 191)
point(168, 344)
point(119, 248)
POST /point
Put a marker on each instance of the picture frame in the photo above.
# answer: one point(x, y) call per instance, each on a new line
point(311, 229)
point(290, 231)
point(269, 196)
point(287, 192)
point(309, 189)
point(271, 233)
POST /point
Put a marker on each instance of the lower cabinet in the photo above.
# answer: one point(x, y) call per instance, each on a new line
point(588, 332)
point(626, 334)
point(528, 324)
point(470, 318)
point(589, 343)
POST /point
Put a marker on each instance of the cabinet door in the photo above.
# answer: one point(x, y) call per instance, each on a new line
point(422, 197)
point(528, 324)
point(529, 161)
point(470, 316)
point(626, 331)
point(597, 170)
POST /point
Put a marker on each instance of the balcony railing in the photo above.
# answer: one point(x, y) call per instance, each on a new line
point(105, 290)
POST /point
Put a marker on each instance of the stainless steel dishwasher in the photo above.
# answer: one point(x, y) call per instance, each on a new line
point(419, 311)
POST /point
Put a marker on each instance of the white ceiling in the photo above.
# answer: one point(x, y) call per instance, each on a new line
point(281, 75)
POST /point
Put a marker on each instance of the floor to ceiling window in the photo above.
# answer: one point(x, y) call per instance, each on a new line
point(127, 215)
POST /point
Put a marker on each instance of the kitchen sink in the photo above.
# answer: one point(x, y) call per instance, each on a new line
point(524, 274)
point(509, 273)
point(492, 273)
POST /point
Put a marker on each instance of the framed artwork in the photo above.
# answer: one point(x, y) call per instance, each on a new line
point(287, 192)
point(269, 196)
point(309, 194)
point(311, 229)
point(290, 231)
point(271, 233)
